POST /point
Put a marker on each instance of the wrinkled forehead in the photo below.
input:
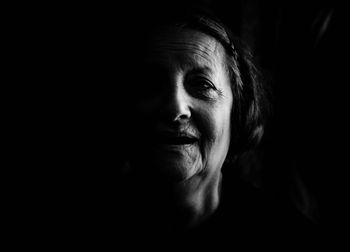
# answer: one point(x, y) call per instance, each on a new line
point(186, 47)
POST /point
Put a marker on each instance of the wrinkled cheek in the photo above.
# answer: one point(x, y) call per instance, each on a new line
point(221, 146)
point(179, 164)
point(207, 152)
point(216, 145)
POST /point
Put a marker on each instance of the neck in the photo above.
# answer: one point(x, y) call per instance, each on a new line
point(198, 198)
point(181, 205)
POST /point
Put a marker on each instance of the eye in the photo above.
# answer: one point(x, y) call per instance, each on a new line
point(201, 83)
point(201, 87)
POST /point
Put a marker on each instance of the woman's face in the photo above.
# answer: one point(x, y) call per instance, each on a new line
point(184, 107)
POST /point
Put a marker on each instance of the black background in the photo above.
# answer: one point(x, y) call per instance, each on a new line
point(75, 63)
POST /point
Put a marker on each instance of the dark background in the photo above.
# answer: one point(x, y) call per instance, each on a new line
point(78, 117)
point(299, 48)
point(298, 45)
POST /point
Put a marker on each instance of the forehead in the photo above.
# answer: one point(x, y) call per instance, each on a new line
point(187, 48)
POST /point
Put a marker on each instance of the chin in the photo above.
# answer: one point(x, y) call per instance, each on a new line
point(178, 170)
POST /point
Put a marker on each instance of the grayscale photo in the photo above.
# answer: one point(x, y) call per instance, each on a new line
point(203, 124)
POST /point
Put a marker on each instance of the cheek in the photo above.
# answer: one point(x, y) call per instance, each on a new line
point(216, 130)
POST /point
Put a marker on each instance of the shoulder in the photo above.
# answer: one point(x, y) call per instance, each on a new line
point(248, 214)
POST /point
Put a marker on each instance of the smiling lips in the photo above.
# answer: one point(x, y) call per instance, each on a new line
point(177, 139)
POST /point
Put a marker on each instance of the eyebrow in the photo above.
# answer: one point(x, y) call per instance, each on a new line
point(199, 70)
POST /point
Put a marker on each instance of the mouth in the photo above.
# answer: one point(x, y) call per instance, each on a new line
point(177, 140)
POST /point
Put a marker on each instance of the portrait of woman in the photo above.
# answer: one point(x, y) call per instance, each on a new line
point(196, 106)
point(198, 113)
point(188, 126)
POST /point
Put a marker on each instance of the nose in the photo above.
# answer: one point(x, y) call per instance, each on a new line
point(177, 107)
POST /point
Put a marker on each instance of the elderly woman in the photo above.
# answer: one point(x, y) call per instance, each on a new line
point(186, 104)
point(200, 105)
